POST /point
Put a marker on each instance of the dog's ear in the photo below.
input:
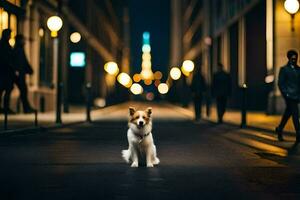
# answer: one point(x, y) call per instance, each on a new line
point(131, 110)
point(149, 111)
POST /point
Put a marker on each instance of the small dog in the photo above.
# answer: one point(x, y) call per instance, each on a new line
point(140, 139)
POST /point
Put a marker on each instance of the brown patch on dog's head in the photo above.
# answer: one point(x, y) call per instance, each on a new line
point(149, 111)
point(131, 111)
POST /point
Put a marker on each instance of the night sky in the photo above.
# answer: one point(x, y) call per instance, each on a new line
point(152, 16)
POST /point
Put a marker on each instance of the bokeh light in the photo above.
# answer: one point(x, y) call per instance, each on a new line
point(188, 66)
point(175, 73)
point(75, 37)
point(163, 88)
point(136, 89)
point(111, 68)
point(124, 79)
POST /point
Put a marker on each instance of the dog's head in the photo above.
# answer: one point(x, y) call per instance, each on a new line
point(140, 118)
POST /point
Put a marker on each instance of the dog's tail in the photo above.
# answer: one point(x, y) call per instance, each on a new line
point(126, 155)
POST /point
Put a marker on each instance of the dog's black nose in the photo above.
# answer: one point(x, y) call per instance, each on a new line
point(141, 123)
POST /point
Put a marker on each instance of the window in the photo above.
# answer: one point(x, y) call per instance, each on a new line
point(8, 20)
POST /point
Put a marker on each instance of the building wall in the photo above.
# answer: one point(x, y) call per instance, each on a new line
point(101, 44)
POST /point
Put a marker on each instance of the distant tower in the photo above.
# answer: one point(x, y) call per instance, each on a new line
point(146, 73)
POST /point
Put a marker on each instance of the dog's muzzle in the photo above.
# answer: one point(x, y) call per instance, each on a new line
point(140, 124)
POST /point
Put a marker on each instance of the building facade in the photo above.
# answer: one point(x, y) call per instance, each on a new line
point(249, 37)
point(101, 25)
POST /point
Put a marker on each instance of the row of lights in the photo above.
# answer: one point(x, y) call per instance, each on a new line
point(163, 88)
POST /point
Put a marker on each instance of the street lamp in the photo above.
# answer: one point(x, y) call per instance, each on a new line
point(54, 24)
point(292, 7)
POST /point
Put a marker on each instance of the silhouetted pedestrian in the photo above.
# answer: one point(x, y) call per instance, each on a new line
point(198, 87)
point(289, 85)
point(221, 89)
point(22, 67)
point(7, 74)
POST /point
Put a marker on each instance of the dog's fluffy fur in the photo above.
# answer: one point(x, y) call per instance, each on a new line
point(140, 139)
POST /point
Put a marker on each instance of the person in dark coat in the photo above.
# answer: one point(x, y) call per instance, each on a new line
point(221, 89)
point(22, 67)
point(7, 74)
point(198, 87)
point(289, 86)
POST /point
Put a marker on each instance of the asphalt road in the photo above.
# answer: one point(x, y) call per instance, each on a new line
point(84, 162)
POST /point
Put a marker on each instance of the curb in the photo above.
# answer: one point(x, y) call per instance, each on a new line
point(38, 128)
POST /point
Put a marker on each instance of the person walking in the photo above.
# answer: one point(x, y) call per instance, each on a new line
point(221, 89)
point(7, 74)
point(289, 86)
point(198, 87)
point(22, 67)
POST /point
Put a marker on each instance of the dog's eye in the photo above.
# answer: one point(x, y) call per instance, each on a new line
point(144, 117)
point(136, 117)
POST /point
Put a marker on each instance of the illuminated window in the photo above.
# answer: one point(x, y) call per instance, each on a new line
point(8, 21)
point(3, 20)
point(13, 27)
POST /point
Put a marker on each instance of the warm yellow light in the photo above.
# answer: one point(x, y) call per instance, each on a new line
point(54, 23)
point(269, 78)
point(186, 73)
point(136, 89)
point(163, 88)
point(111, 68)
point(148, 82)
point(124, 79)
point(12, 42)
point(291, 6)
point(175, 73)
point(53, 34)
point(4, 20)
point(41, 32)
point(157, 75)
point(188, 65)
point(146, 56)
point(146, 64)
point(75, 37)
point(147, 74)
point(137, 78)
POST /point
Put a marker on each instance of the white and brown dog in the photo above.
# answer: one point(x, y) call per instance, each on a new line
point(140, 139)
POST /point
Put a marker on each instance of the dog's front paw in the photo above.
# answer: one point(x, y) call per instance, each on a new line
point(134, 164)
point(150, 165)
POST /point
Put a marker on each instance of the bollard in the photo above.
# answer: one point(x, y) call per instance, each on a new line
point(208, 103)
point(42, 104)
point(58, 103)
point(88, 102)
point(5, 119)
point(36, 118)
point(244, 106)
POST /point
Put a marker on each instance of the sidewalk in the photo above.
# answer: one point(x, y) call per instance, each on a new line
point(254, 119)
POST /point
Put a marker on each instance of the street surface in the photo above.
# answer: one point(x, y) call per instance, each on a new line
point(198, 161)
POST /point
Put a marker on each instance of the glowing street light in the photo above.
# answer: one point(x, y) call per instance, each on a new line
point(292, 7)
point(124, 79)
point(75, 37)
point(54, 24)
point(175, 73)
point(163, 88)
point(188, 66)
point(111, 68)
point(136, 89)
